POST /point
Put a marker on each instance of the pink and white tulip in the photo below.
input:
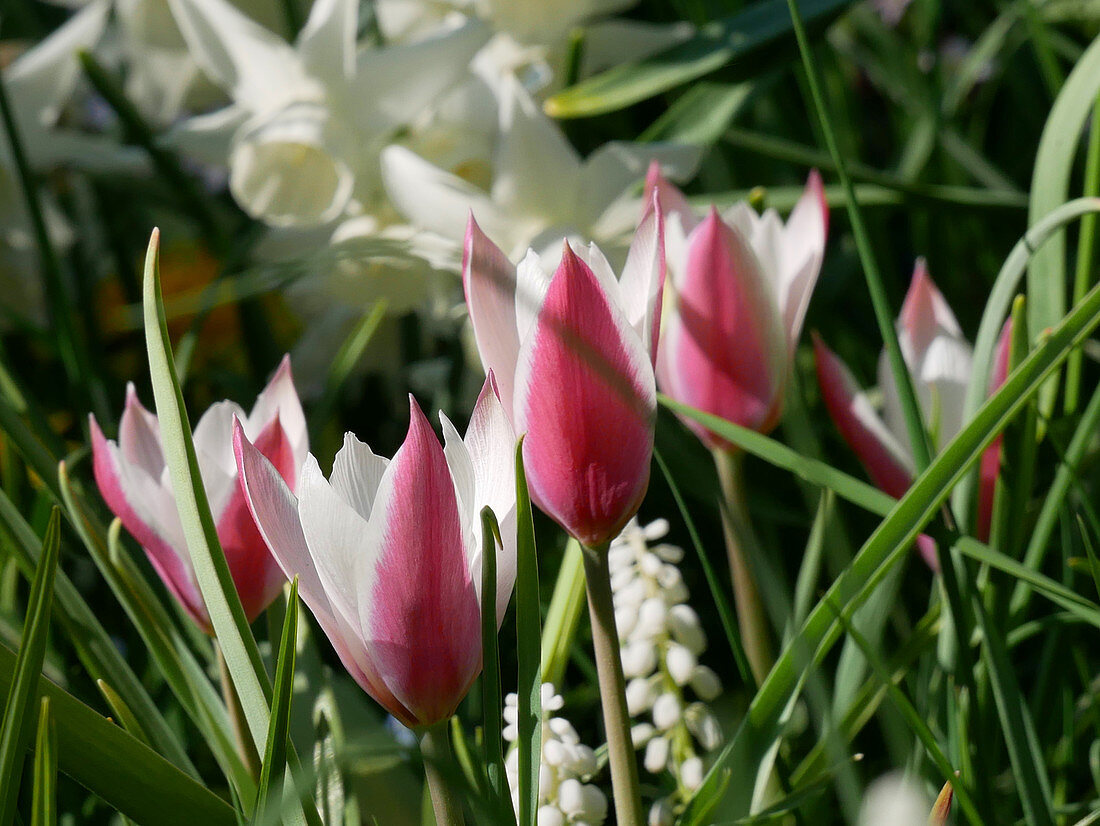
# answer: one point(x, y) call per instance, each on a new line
point(740, 286)
point(134, 481)
point(940, 361)
point(573, 355)
point(388, 553)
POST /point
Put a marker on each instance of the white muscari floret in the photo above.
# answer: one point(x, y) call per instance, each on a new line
point(565, 799)
point(662, 639)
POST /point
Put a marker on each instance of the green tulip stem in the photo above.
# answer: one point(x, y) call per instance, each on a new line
point(435, 746)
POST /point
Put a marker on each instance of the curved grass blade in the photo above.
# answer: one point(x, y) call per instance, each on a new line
point(491, 709)
point(274, 764)
point(44, 801)
point(894, 535)
point(743, 44)
point(21, 707)
point(528, 650)
point(121, 770)
point(122, 712)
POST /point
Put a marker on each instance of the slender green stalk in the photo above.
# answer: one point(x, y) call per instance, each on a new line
point(245, 747)
point(435, 745)
point(609, 666)
point(737, 530)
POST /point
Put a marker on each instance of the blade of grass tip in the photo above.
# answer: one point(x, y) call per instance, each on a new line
point(122, 712)
point(211, 570)
point(491, 709)
point(913, 718)
point(563, 617)
point(717, 590)
point(269, 792)
point(73, 356)
point(1086, 254)
point(528, 650)
point(349, 354)
point(21, 707)
point(44, 801)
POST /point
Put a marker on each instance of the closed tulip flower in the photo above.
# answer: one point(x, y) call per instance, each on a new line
point(388, 553)
point(740, 285)
point(573, 355)
point(133, 478)
point(940, 361)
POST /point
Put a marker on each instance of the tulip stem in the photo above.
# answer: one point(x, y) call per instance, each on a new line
point(435, 746)
point(737, 529)
point(609, 667)
point(245, 746)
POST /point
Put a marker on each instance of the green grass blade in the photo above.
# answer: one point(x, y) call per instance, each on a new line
point(114, 766)
point(44, 801)
point(122, 712)
point(270, 789)
point(21, 707)
point(776, 453)
point(742, 44)
point(95, 648)
point(702, 114)
point(491, 708)
point(528, 649)
point(211, 570)
point(886, 545)
point(564, 614)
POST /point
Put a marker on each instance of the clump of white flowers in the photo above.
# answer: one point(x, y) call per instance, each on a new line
point(564, 797)
point(662, 640)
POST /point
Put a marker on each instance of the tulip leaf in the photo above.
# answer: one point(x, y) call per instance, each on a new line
point(563, 614)
point(267, 810)
point(743, 45)
point(98, 653)
point(760, 728)
point(118, 768)
point(490, 672)
point(21, 708)
point(122, 712)
point(44, 801)
point(776, 453)
point(528, 649)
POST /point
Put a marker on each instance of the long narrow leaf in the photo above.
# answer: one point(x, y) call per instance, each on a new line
point(272, 773)
point(44, 802)
point(491, 709)
point(21, 708)
point(528, 643)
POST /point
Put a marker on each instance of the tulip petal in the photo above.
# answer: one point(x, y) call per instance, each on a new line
point(991, 456)
point(730, 350)
point(257, 578)
point(671, 199)
point(148, 512)
point(214, 450)
point(420, 612)
point(280, 398)
point(139, 436)
point(644, 278)
point(356, 474)
point(611, 172)
point(275, 510)
point(886, 461)
point(582, 375)
point(803, 249)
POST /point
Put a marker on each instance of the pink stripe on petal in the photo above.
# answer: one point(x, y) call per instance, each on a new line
point(991, 457)
point(423, 621)
point(589, 409)
point(257, 575)
point(731, 357)
point(858, 424)
point(672, 200)
point(173, 571)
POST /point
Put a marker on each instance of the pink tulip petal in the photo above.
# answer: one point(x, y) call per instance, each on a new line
point(991, 456)
point(730, 353)
point(643, 280)
point(489, 281)
point(139, 436)
point(280, 398)
point(422, 617)
point(803, 249)
point(884, 459)
point(275, 511)
point(121, 497)
point(672, 200)
point(925, 313)
point(258, 578)
point(585, 393)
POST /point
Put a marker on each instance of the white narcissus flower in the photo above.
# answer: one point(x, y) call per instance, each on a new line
point(893, 800)
point(541, 189)
point(307, 120)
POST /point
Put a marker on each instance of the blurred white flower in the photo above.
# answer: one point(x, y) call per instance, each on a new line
point(893, 800)
point(662, 639)
point(541, 189)
point(302, 134)
point(564, 797)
